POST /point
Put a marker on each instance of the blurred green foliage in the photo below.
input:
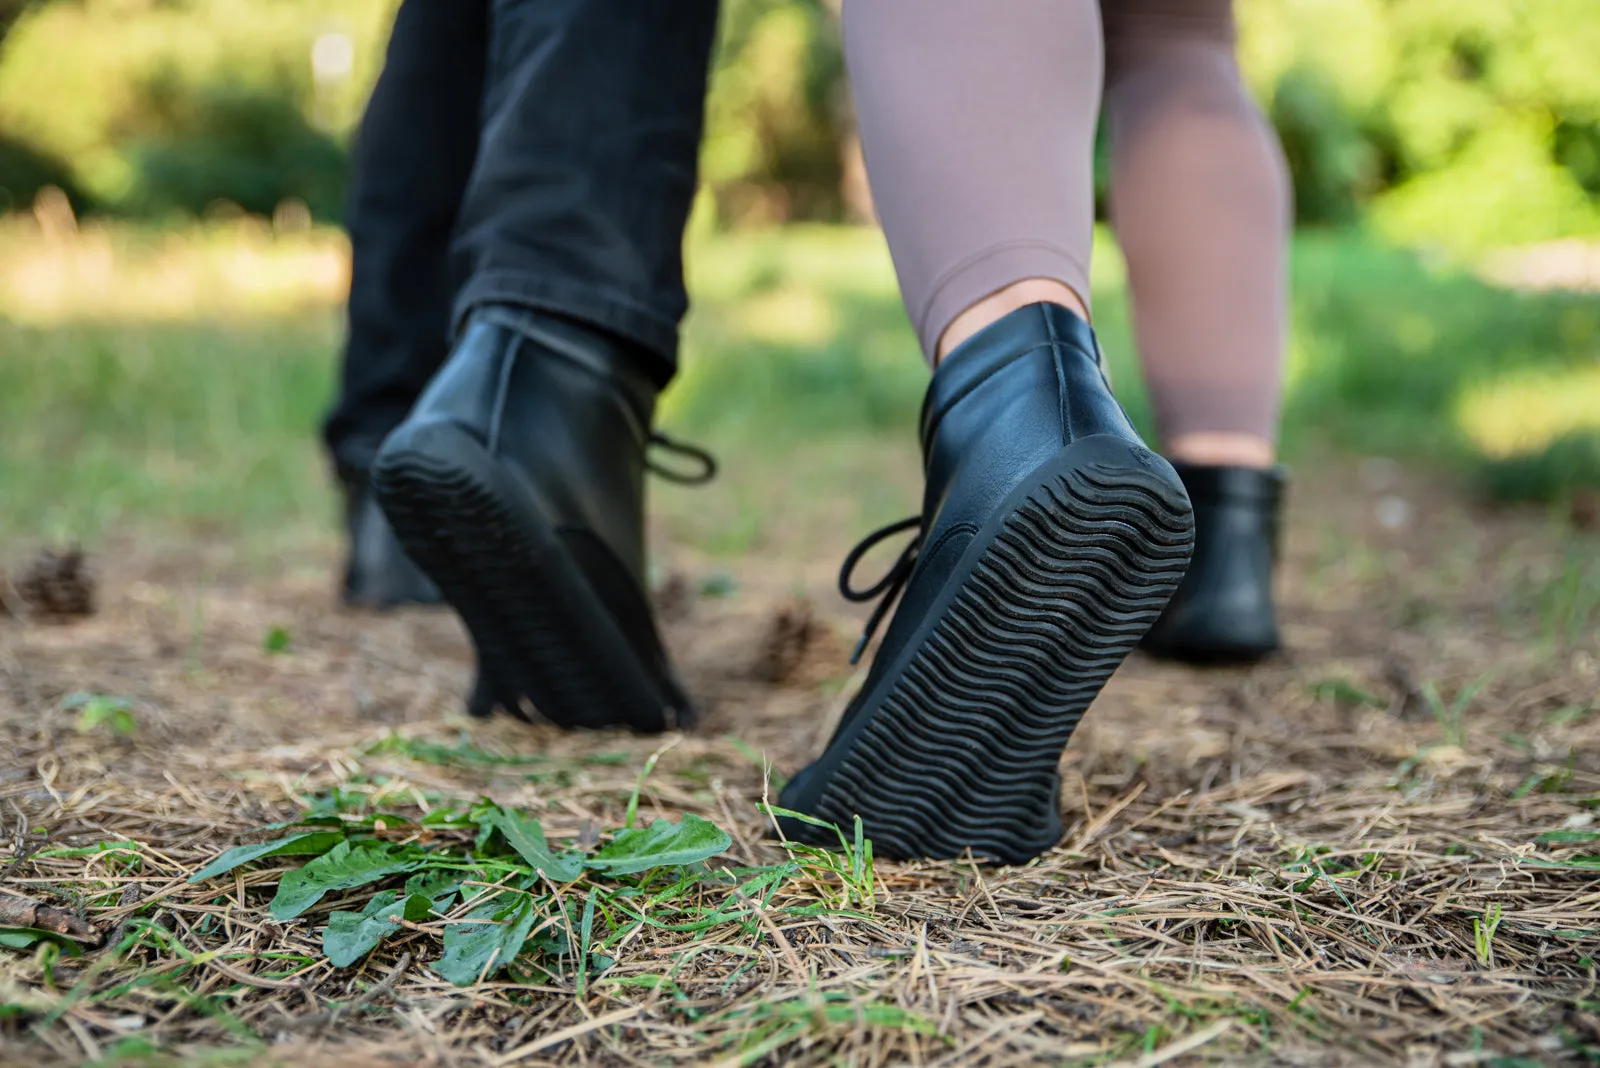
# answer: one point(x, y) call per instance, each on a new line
point(778, 116)
point(163, 104)
point(251, 146)
point(1571, 463)
point(24, 170)
point(1462, 124)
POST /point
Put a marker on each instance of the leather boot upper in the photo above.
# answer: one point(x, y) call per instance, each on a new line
point(1223, 610)
point(1000, 405)
point(377, 573)
point(567, 410)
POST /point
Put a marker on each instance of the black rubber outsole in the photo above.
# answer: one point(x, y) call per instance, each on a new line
point(545, 641)
point(959, 746)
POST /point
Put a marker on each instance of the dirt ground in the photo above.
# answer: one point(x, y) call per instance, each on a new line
point(1335, 857)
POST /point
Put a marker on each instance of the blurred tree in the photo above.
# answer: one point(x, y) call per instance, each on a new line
point(130, 80)
point(24, 168)
point(1335, 164)
point(1463, 124)
point(778, 122)
point(248, 145)
point(24, 171)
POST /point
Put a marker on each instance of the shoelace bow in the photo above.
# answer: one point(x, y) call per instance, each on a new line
point(890, 586)
point(708, 463)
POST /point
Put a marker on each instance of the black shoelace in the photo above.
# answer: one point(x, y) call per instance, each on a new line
point(707, 462)
point(890, 586)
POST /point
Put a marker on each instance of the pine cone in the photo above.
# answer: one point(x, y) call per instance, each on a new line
point(57, 586)
point(788, 639)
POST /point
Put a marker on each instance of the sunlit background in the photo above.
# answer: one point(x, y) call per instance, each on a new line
point(172, 268)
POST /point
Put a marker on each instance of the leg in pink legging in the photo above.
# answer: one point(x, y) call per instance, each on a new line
point(1200, 200)
point(977, 124)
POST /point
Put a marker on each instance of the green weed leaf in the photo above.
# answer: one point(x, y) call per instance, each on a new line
point(492, 940)
point(718, 584)
point(344, 867)
point(310, 843)
point(525, 836)
point(585, 940)
point(1343, 692)
point(28, 937)
point(437, 886)
point(96, 710)
point(1567, 837)
point(307, 821)
point(352, 935)
point(277, 640)
point(663, 844)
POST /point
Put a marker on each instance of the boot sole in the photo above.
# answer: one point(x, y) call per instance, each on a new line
point(540, 631)
point(959, 749)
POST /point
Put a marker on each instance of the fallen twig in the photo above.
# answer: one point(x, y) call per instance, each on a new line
point(16, 911)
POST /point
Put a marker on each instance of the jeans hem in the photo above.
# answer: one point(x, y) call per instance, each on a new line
point(632, 320)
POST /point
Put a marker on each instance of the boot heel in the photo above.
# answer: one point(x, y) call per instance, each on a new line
point(961, 749)
point(540, 631)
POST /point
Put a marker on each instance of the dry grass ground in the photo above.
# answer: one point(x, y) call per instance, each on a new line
point(1344, 856)
point(1381, 848)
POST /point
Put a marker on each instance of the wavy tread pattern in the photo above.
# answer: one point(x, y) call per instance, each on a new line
point(542, 639)
point(962, 752)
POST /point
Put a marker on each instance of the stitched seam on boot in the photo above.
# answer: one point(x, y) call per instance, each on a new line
point(502, 391)
point(958, 529)
point(1061, 382)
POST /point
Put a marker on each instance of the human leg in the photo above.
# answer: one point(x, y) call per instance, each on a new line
point(977, 140)
point(1050, 537)
point(411, 159)
point(588, 167)
point(410, 163)
point(1200, 200)
point(517, 480)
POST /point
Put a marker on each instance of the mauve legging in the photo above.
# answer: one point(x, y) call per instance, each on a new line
point(977, 122)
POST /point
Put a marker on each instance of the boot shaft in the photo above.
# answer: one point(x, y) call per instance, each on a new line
point(568, 408)
point(1010, 397)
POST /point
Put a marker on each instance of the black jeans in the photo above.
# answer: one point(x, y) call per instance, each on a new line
point(535, 153)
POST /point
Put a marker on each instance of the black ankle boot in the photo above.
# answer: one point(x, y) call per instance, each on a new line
point(1050, 539)
point(1223, 611)
point(377, 574)
point(517, 484)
